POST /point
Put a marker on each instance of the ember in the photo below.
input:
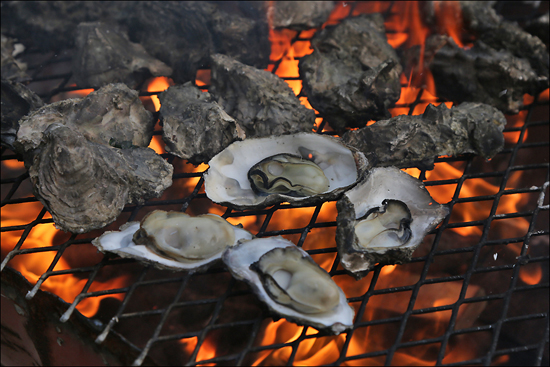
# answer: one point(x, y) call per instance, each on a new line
point(475, 291)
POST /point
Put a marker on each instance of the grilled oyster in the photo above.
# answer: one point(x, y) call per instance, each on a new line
point(291, 284)
point(174, 240)
point(287, 174)
point(383, 220)
point(85, 185)
point(302, 168)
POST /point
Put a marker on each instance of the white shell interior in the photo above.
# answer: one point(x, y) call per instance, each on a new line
point(240, 257)
point(226, 180)
point(392, 183)
point(121, 243)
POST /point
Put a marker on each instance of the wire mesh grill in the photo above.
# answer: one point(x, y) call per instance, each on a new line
point(483, 264)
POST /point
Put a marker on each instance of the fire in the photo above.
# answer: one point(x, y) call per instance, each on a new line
point(33, 265)
point(531, 274)
point(157, 85)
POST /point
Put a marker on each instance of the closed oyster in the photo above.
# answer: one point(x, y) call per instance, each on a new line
point(290, 283)
point(302, 168)
point(113, 114)
point(194, 127)
point(85, 185)
point(383, 220)
point(173, 240)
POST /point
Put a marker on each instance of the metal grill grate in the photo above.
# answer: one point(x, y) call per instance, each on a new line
point(178, 317)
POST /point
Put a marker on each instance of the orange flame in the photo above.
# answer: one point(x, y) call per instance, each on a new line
point(157, 85)
point(531, 274)
point(32, 266)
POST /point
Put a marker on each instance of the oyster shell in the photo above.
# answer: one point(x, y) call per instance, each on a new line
point(383, 220)
point(85, 185)
point(228, 180)
point(173, 240)
point(291, 284)
point(112, 113)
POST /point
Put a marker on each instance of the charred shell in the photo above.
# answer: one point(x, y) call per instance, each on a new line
point(383, 220)
point(265, 171)
point(290, 283)
point(194, 127)
point(174, 240)
point(86, 185)
point(113, 113)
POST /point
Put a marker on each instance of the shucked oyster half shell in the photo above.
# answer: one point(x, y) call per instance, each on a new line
point(174, 240)
point(290, 283)
point(302, 168)
point(383, 220)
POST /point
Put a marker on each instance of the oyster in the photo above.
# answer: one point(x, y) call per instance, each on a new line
point(173, 240)
point(302, 168)
point(85, 185)
point(287, 174)
point(292, 285)
point(383, 220)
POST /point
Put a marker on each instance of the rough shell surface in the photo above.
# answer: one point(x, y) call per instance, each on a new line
point(121, 242)
point(226, 180)
point(85, 185)
point(194, 127)
point(240, 260)
point(113, 113)
point(388, 183)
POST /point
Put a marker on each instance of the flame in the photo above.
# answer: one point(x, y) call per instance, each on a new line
point(157, 85)
point(531, 274)
point(80, 93)
point(325, 349)
point(33, 265)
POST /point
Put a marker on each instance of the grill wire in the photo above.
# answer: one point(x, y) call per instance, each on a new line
point(50, 81)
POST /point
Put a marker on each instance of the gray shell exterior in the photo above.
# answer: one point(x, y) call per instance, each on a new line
point(194, 127)
point(380, 184)
point(85, 185)
point(226, 180)
point(112, 113)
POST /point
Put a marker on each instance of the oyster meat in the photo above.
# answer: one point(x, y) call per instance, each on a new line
point(174, 240)
point(383, 220)
point(302, 168)
point(287, 174)
point(291, 284)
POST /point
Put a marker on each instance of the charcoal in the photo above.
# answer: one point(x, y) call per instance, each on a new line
point(185, 34)
point(105, 55)
point(112, 115)
point(480, 74)
point(12, 69)
point(299, 15)
point(414, 141)
point(353, 74)
point(17, 101)
point(51, 25)
point(481, 19)
point(261, 102)
point(195, 127)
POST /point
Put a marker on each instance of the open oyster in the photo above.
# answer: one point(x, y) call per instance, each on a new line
point(173, 240)
point(291, 284)
point(300, 169)
point(383, 220)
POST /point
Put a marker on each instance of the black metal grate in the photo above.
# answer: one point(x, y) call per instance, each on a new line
point(483, 264)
